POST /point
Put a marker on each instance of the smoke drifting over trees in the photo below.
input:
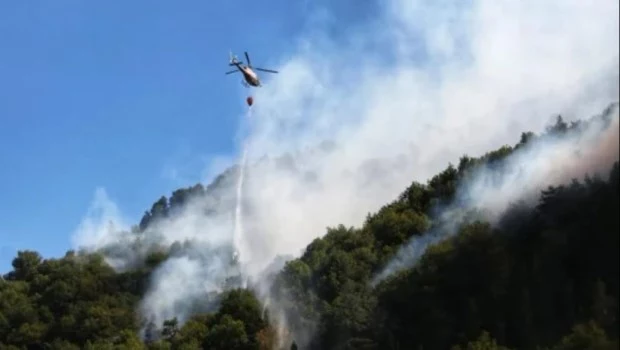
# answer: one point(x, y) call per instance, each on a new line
point(539, 267)
point(373, 216)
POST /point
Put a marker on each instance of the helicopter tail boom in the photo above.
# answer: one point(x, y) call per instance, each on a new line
point(233, 60)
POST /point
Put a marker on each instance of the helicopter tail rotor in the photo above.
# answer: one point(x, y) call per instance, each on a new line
point(233, 60)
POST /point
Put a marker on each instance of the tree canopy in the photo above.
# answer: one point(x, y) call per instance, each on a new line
point(544, 276)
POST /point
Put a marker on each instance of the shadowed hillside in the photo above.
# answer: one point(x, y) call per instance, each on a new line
point(434, 269)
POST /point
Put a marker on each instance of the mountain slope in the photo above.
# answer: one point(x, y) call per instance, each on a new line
point(437, 267)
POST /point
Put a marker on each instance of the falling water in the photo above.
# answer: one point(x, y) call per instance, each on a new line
point(238, 231)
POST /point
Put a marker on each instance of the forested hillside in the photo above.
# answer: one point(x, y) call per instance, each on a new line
point(543, 276)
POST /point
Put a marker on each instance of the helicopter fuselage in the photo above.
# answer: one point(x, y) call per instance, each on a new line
point(248, 74)
point(250, 78)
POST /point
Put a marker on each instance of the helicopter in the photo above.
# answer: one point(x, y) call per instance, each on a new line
point(251, 78)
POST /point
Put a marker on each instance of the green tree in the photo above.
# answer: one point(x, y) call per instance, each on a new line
point(587, 336)
point(227, 334)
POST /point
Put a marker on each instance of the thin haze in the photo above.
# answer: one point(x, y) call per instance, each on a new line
point(495, 69)
point(548, 160)
point(450, 78)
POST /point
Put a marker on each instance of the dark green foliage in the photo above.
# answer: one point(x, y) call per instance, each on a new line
point(71, 300)
point(164, 207)
point(544, 277)
point(243, 306)
point(586, 336)
point(443, 186)
point(521, 284)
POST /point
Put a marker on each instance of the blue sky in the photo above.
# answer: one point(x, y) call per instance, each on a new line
point(116, 93)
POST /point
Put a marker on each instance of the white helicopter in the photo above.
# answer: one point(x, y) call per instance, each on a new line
point(251, 78)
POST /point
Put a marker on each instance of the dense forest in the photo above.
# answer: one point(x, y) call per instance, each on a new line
point(543, 276)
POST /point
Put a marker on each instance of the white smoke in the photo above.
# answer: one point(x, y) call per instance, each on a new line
point(460, 78)
point(496, 69)
point(240, 241)
point(198, 241)
point(198, 267)
point(102, 225)
point(548, 161)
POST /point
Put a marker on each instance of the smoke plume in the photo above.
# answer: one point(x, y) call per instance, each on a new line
point(358, 124)
point(553, 159)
